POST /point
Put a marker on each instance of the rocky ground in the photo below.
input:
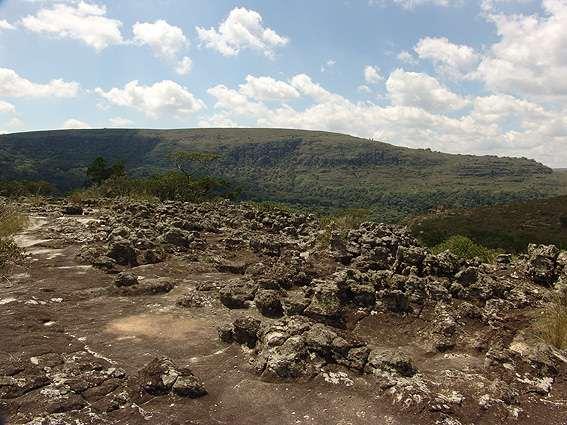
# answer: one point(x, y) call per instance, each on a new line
point(225, 314)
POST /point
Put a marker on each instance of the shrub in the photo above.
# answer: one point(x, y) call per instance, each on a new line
point(465, 248)
point(551, 325)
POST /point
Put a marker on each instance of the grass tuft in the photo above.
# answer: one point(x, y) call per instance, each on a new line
point(551, 325)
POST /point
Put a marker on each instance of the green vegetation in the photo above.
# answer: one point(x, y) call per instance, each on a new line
point(510, 227)
point(10, 222)
point(17, 188)
point(112, 182)
point(320, 170)
point(551, 324)
point(464, 248)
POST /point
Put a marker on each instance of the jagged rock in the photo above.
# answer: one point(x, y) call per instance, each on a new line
point(325, 305)
point(160, 285)
point(122, 251)
point(178, 237)
point(237, 293)
point(408, 258)
point(193, 299)
point(395, 361)
point(295, 304)
point(269, 303)
point(542, 263)
point(158, 376)
point(467, 276)
point(245, 330)
point(161, 376)
point(188, 385)
point(72, 210)
point(226, 333)
point(126, 279)
point(396, 301)
point(234, 267)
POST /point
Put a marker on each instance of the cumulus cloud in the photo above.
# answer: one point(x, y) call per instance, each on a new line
point(5, 25)
point(7, 108)
point(236, 102)
point(372, 74)
point(422, 91)
point(184, 66)
point(13, 85)
point(407, 57)
point(242, 29)
point(165, 40)
point(79, 21)
point(74, 124)
point(267, 88)
point(160, 99)
point(450, 60)
point(530, 59)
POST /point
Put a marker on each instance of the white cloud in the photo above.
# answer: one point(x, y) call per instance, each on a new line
point(372, 74)
point(267, 88)
point(184, 66)
point(328, 65)
point(7, 108)
point(451, 60)
point(422, 91)
point(412, 4)
point(162, 98)
point(12, 85)
point(120, 122)
point(530, 59)
point(235, 101)
point(242, 29)
point(218, 121)
point(165, 40)
point(406, 57)
point(5, 25)
point(364, 89)
point(305, 85)
point(79, 21)
point(75, 124)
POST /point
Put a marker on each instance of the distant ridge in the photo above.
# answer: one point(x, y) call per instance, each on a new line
point(312, 168)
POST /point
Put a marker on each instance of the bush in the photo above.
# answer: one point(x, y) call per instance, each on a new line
point(465, 248)
point(551, 325)
point(18, 188)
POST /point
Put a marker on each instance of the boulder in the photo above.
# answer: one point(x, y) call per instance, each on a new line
point(542, 263)
point(237, 293)
point(72, 210)
point(245, 331)
point(122, 251)
point(390, 360)
point(126, 279)
point(268, 302)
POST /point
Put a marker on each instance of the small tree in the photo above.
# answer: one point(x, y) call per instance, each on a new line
point(98, 171)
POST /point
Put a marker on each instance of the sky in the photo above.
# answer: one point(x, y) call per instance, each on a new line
point(461, 76)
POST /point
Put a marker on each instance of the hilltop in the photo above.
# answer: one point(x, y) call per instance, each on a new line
point(309, 168)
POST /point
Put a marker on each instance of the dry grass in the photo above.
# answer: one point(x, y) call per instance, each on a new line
point(11, 222)
point(551, 325)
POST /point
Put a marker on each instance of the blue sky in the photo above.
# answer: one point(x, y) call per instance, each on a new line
point(482, 77)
